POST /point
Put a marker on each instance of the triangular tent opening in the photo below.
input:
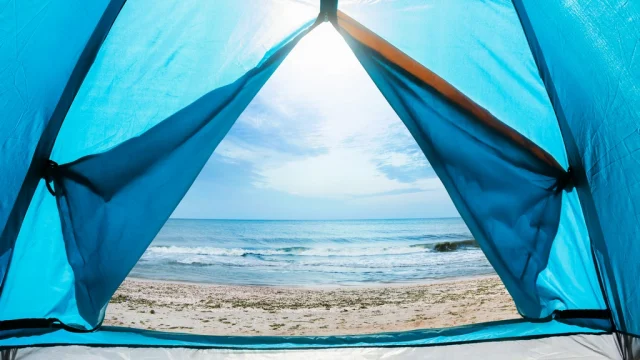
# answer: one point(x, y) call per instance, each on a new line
point(367, 210)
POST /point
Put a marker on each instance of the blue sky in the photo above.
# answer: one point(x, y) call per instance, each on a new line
point(319, 141)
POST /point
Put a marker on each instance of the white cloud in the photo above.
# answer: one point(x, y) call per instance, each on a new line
point(397, 159)
point(235, 150)
point(339, 173)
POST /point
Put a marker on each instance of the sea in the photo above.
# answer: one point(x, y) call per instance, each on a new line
point(312, 253)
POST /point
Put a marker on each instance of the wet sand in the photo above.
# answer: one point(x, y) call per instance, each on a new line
point(259, 310)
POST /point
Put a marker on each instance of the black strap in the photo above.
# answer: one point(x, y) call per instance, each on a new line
point(48, 173)
point(51, 323)
point(583, 314)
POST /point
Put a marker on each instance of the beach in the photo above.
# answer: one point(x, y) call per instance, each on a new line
point(277, 310)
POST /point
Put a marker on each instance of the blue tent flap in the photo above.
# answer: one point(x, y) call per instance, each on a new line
point(113, 204)
point(509, 194)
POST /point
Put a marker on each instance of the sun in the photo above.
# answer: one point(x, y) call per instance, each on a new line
point(325, 50)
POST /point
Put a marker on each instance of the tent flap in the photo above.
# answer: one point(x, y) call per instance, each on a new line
point(508, 194)
point(158, 58)
point(113, 204)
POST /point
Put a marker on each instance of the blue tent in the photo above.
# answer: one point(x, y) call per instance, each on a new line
point(528, 111)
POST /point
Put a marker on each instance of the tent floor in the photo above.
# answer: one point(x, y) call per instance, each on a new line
point(603, 346)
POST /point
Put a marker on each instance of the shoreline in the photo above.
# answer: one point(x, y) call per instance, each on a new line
point(376, 285)
point(215, 309)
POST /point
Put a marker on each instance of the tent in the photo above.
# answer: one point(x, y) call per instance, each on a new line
point(528, 111)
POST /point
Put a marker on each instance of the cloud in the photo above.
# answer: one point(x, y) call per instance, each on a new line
point(341, 172)
point(236, 151)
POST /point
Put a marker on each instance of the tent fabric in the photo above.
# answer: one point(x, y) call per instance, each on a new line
point(556, 89)
point(41, 43)
point(565, 347)
point(485, 168)
point(596, 97)
point(150, 66)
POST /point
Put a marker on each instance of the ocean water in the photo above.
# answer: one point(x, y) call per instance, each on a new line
point(312, 253)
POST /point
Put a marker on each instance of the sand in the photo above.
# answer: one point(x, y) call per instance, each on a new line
point(256, 310)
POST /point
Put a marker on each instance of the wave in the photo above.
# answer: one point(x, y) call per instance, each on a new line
point(336, 263)
point(215, 251)
point(447, 246)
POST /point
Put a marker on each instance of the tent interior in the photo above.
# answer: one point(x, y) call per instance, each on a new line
point(528, 112)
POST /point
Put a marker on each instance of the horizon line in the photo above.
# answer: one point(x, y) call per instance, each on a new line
point(326, 219)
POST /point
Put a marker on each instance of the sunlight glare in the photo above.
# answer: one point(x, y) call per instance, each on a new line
point(324, 50)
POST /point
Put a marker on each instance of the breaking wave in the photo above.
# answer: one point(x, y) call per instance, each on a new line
point(446, 246)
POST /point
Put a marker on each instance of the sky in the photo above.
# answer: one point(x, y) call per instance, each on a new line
point(318, 141)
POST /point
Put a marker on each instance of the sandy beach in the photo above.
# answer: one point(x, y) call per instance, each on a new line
point(256, 310)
